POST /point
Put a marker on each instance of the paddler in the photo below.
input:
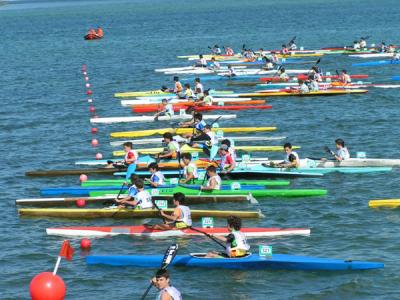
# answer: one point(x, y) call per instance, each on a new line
point(341, 153)
point(130, 159)
point(132, 190)
point(197, 123)
point(363, 43)
point(177, 86)
point(157, 178)
point(204, 140)
point(202, 62)
point(236, 243)
point(383, 47)
point(231, 149)
point(291, 159)
point(172, 150)
point(214, 65)
point(167, 291)
point(99, 32)
point(214, 180)
point(292, 45)
point(141, 200)
point(268, 63)
point(189, 169)
point(316, 73)
point(231, 71)
point(284, 50)
point(229, 51)
point(198, 88)
point(216, 50)
point(391, 49)
point(166, 109)
point(344, 77)
point(303, 87)
point(91, 32)
point(188, 93)
point(207, 99)
point(226, 163)
point(283, 75)
point(356, 46)
point(180, 217)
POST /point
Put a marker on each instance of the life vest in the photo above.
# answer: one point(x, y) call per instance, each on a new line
point(217, 180)
point(238, 246)
point(186, 216)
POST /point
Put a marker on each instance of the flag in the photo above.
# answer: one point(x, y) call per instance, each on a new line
point(66, 250)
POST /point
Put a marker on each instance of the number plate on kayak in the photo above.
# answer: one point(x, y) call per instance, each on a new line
point(162, 204)
point(207, 222)
point(174, 181)
point(155, 192)
point(235, 185)
point(265, 251)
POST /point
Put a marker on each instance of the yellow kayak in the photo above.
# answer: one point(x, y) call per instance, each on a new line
point(309, 94)
point(160, 131)
point(387, 203)
point(188, 149)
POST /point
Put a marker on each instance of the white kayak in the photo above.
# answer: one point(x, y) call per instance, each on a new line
point(352, 162)
point(145, 100)
point(372, 55)
point(180, 139)
point(113, 120)
point(191, 69)
point(263, 72)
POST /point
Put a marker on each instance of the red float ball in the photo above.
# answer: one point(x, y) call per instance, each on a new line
point(46, 286)
point(83, 67)
point(94, 130)
point(80, 203)
point(89, 92)
point(83, 178)
point(99, 156)
point(85, 244)
point(86, 78)
point(92, 109)
point(95, 142)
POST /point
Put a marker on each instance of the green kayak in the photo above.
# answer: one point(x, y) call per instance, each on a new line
point(119, 182)
point(257, 193)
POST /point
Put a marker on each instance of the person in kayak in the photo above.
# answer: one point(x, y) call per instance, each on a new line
point(313, 83)
point(180, 218)
point(91, 32)
point(197, 123)
point(291, 159)
point(391, 49)
point(341, 153)
point(130, 160)
point(268, 63)
point(207, 99)
point(303, 87)
point(383, 47)
point(141, 200)
point(216, 50)
point(172, 150)
point(189, 169)
point(284, 50)
point(188, 93)
point(202, 62)
point(231, 72)
point(226, 163)
point(204, 140)
point(316, 74)
point(214, 180)
point(231, 149)
point(356, 46)
point(292, 45)
point(236, 243)
point(166, 109)
point(157, 178)
point(344, 77)
point(229, 51)
point(198, 88)
point(162, 282)
point(363, 43)
point(283, 75)
point(214, 65)
point(177, 86)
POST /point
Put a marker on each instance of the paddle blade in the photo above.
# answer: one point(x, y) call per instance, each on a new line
point(169, 255)
point(318, 61)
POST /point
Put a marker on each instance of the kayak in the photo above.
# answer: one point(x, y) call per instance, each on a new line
point(144, 231)
point(204, 108)
point(305, 77)
point(161, 131)
point(179, 139)
point(188, 149)
point(113, 120)
point(396, 78)
point(169, 190)
point(387, 203)
point(119, 182)
point(46, 173)
point(126, 213)
point(377, 63)
point(103, 200)
point(159, 93)
point(92, 37)
point(249, 262)
point(351, 162)
point(176, 102)
point(372, 55)
point(297, 93)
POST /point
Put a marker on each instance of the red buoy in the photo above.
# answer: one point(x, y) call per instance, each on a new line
point(94, 130)
point(46, 286)
point(80, 203)
point(83, 178)
point(89, 92)
point(92, 109)
point(85, 244)
point(86, 78)
point(99, 156)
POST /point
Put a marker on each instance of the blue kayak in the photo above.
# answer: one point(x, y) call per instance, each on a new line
point(396, 78)
point(377, 63)
point(85, 191)
point(250, 262)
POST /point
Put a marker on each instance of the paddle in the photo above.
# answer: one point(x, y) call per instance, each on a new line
point(327, 150)
point(291, 41)
point(208, 235)
point(168, 258)
point(113, 201)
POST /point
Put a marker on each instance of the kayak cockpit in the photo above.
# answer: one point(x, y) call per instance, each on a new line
point(223, 256)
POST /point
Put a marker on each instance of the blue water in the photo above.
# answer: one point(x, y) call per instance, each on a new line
point(44, 124)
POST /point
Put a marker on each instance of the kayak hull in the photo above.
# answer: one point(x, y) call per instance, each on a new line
point(144, 231)
point(204, 108)
point(251, 262)
point(387, 203)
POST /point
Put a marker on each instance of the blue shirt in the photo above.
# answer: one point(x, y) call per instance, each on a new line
point(200, 126)
point(132, 191)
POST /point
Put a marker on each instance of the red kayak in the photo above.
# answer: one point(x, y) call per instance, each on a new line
point(92, 37)
point(138, 109)
point(305, 77)
point(148, 232)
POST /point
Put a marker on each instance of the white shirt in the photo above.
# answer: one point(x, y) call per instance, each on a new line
point(199, 87)
point(304, 88)
point(213, 138)
point(186, 216)
point(240, 242)
point(356, 46)
point(314, 85)
point(203, 61)
point(158, 177)
point(217, 181)
point(295, 155)
point(144, 199)
point(169, 109)
point(172, 291)
point(363, 44)
point(343, 153)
